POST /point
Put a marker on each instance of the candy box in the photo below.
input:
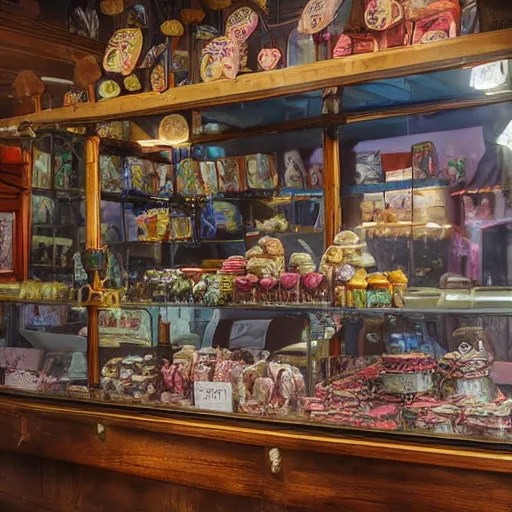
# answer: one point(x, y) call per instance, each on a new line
point(230, 174)
point(260, 172)
point(425, 163)
point(21, 358)
point(189, 181)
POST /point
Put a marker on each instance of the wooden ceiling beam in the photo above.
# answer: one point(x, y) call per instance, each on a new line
point(462, 51)
point(52, 40)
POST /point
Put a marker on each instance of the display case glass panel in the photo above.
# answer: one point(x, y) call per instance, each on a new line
point(232, 300)
point(43, 347)
point(58, 206)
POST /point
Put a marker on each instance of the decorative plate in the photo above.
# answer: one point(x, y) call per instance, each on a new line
point(174, 129)
point(317, 15)
point(132, 83)
point(109, 89)
point(381, 15)
point(220, 58)
point(153, 53)
point(123, 51)
point(241, 24)
point(268, 58)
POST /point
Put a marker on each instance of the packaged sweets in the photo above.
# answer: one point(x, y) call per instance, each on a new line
point(229, 172)
point(246, 289)
point(399, 283)
point(260, 172)
point(356, 290)
point(368, 168)
point(342, 276)
point(289, 286)
point(189, 182)
point(379, 291)
point(315, 288)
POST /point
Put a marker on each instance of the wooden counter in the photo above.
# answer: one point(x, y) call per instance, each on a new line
point(63, 457)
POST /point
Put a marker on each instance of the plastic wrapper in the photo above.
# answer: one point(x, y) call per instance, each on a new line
point(246, 288)
point(133, 378)
point(368, 168)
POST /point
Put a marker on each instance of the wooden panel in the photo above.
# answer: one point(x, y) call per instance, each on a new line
point(252, 433)
point(329, 482)
point(37, 484)
point(350, 70)
point(307, 482)
point(332, 193)
point(178, 459)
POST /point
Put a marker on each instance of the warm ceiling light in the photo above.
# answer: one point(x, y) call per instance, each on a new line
point(54, 80)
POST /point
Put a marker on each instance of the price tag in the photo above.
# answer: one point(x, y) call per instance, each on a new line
point(213, 396)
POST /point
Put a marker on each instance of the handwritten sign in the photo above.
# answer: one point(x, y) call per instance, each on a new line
point(213, 396)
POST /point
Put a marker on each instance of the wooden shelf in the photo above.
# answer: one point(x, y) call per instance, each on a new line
point(395, 185)
point(462, 51)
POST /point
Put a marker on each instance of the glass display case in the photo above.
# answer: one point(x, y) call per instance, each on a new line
point(43, 347)
point(58, 205)
point(218, 289)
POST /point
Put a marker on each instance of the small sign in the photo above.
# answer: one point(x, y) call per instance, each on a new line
point(214, 396)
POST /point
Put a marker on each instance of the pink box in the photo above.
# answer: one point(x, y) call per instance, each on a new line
point(21, 358)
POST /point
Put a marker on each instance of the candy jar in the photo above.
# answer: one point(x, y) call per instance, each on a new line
point(379, 291)
point(315, 288)
point(356, 290)
point(399, 283)
point(269, 290)
point(342, 275)
point(246, 289)
point(289, 287)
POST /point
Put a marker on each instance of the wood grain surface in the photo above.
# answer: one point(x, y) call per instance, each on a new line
point(354, 69)
point(64, 420)
point(308, 482)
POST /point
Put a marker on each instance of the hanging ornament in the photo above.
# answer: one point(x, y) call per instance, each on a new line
point(174, 129)
point(109, 89)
